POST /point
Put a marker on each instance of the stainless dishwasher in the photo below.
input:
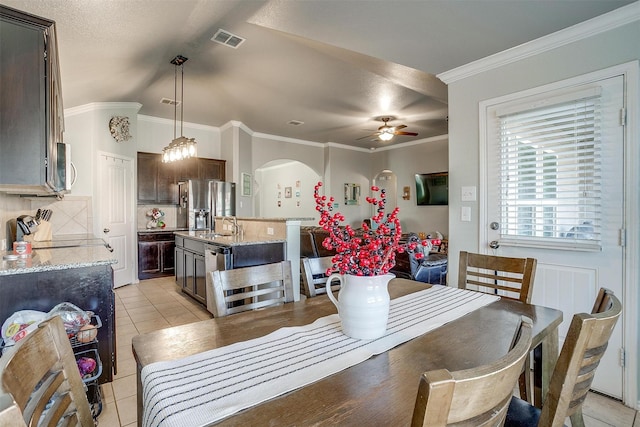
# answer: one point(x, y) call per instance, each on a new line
point(216, 257)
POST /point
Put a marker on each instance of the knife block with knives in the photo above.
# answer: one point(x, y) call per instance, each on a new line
point(43, 232)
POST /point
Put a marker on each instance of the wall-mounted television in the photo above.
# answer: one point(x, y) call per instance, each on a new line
point(432, 189)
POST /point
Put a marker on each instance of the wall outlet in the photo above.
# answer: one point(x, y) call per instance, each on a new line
point(270, 231)
point(468, 194)
point(4, 245)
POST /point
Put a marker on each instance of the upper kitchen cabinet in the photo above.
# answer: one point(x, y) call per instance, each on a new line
point(157, 181)
point(211, 169)
point(33, 159)
point(200, 168)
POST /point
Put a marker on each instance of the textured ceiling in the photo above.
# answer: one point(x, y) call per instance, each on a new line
point(334, 65)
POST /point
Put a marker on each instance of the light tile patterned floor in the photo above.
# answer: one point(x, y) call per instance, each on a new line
point(157, 304)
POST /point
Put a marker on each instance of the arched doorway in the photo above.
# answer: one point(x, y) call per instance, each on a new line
point(284, 189)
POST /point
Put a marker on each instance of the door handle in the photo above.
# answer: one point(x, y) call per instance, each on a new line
point(106, 230)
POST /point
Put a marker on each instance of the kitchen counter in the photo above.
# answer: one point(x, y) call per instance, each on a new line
point(229, 240)
point(57, 258)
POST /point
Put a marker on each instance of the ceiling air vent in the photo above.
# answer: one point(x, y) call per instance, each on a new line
point(168, 101)
point(226, 38)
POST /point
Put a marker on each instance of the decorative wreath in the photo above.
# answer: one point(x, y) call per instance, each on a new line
point(119, 128)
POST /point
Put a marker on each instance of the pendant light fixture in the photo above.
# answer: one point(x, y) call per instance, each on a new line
point(182, 147)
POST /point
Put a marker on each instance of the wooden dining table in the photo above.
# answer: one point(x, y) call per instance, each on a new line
point(380, 391)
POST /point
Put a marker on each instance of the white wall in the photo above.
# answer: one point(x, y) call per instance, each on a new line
point(154, 134)
point(347, 166)
point(594, 53)
point(274, 179)
point(428, 156)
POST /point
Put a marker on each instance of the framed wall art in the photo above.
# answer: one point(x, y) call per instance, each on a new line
point(246, 184)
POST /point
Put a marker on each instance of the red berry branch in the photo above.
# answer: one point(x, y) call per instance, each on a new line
point(371, 252)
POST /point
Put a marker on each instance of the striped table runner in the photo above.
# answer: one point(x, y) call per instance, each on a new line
point(203, 388)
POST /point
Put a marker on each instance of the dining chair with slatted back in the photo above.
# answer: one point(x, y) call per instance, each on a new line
point(314, 276)
point(40, 383)
point(584, 346)
point(477, 397)
point(510, 277)
point(250, 288)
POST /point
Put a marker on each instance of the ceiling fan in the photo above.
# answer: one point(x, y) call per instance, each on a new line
point(387, 132)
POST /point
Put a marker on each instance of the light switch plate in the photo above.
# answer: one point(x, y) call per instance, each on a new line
point(465, 214)
point(468, 194)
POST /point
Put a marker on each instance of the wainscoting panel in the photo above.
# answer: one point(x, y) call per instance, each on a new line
point(570, 289)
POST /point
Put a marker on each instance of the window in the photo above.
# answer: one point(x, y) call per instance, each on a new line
point(550, 171)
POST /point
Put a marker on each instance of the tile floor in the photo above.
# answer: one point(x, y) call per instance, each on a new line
point(157, 304)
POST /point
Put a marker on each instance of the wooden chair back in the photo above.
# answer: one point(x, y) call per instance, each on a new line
point(251, 288)
point(491, 274)
point(41, 370)
point(584, 346)
point(475, 397)
point(314, 276)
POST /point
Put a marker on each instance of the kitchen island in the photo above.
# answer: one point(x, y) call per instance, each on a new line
point(81, 275)
point(260, 241)
point(198, 253)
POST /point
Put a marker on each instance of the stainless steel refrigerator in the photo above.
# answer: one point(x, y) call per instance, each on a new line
point(194, 204)
point(223, 198)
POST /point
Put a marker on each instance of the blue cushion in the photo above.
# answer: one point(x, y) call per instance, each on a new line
point(522, 414)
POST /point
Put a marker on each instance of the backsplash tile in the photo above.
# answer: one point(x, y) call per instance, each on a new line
point(71, 215)
point(169, 218)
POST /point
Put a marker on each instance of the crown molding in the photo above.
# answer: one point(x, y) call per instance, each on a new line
point(412, 143)
point(160, 120)
point(287, 139)
point(96, 106)
point(608, 21)
point(236, 124)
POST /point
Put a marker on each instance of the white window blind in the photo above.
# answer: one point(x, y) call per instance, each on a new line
point(550, 173)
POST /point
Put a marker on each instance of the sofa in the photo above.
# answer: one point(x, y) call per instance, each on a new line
point(432, 268)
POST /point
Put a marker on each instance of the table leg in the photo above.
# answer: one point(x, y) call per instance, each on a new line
point(544, 360)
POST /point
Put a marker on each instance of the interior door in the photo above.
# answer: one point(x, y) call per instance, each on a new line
point(569, 279)
point(116, 213)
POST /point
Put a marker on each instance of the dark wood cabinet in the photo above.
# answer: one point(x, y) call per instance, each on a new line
point(190, 270)
point(187, 169)
point(156, 254)
point(211, 169)
point(200, 168)
point(90, 288)
point(32, 118)
point(158, 181)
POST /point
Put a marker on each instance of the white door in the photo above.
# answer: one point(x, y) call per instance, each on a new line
point(116, 214)
point(568, 277)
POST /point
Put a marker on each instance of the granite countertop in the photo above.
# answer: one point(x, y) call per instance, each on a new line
point(227, 239)
point(61, 258)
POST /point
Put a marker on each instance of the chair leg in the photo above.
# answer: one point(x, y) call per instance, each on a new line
point(576, 419)
point(524, 381)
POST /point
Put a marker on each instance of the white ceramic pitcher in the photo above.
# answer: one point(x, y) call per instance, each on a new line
point(363, 304)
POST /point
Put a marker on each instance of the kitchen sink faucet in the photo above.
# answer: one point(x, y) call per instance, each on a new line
point(235, 228)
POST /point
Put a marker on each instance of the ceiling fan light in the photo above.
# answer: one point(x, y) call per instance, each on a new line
point(386, 136)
